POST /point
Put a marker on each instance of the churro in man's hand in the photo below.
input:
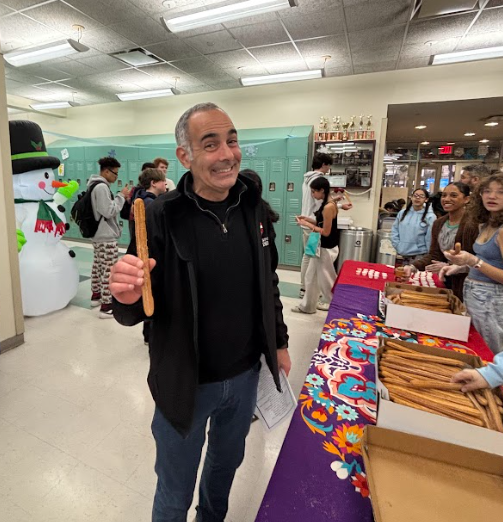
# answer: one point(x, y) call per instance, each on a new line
point(142, 251)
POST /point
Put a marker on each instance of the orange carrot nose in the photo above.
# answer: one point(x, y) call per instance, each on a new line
point(59, 184)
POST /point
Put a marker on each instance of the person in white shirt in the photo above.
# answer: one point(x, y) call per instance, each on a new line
point(321, 167)
point(162, 165)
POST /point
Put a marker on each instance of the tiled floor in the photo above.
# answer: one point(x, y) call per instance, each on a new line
point(75, 412)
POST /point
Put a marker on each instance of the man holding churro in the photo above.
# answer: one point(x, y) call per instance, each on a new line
point(215, 309)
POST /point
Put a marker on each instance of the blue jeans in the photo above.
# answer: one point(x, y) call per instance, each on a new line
point(229, 405)
point(484, 302)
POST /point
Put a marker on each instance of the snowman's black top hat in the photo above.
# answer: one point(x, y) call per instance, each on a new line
point(27, 147)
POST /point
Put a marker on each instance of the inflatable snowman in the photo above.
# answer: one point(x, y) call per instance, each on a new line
point(49, 272)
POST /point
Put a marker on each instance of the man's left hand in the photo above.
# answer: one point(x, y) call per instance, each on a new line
point(284, 361)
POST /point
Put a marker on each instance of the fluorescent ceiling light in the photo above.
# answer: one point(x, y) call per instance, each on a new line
point(484, 141)
point(136, 58)
point(52, 105)
point(425, 143)
point(40, 53)
point(451, 143)
point(491, 124)
point(420, 127)
point(129, 96)
point(278, 78)
point(469, 134)
point(468, 56)
point(225, 14)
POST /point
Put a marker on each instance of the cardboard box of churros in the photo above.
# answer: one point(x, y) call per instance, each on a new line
point(432, 311)
point(416, 396)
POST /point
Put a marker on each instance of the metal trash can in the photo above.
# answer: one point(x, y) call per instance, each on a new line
point(385, 254)
point(355, 243)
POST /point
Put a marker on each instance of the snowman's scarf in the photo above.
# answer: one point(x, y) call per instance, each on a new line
point(47, 218)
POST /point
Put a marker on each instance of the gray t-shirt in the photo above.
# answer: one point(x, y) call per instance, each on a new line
point(447, 236)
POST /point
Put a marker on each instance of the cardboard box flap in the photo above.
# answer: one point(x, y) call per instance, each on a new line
point(415, 479)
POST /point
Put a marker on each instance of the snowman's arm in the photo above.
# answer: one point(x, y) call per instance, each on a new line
point(63, 194)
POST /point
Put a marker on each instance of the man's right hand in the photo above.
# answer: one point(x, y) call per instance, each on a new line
point(125, 191)
point(126, 279)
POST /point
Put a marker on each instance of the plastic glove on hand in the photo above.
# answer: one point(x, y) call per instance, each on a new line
point(68, 191)
point(450, 270)
point(435, 267)
point(463, 258)
point(21, 240)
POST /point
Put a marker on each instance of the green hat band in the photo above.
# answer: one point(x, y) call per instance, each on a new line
point(29, 155)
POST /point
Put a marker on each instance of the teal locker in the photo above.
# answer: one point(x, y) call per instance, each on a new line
point(261, 167)
point(245, 164)
point(274, 193)
point(133, 168)
point(293, 237)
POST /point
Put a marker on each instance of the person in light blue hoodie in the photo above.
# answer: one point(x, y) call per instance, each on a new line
point(411, 232)
point(489, 376)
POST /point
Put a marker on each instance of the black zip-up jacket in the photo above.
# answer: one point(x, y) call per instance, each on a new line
point(173, 375)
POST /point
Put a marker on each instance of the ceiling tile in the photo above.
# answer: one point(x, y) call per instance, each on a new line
point(285, 66)
point(102, 62)
point(338, 71)
point(59, 90)
point(407, 62)
point(191, 65)
point(375, 67)
point(442, 46)
point(214, 76)
point(438, 28)
point(354, 2)
point(239, 58)
point(42, 70)
point(480, 41)
point(18, 74)
point(391, 36)
point(377, 13)
point(275, 53)
point(323, 23)
point(173, 49)
point(181, 7)
point(252, 70)
point(488, 21)
point(107, 12)
point(260, 34)
point(142, 31)
point(200, 31)
point(4, 10)
point(333, 46)
point(28, 91)
point(12, 85)
point(167, 73)
point(106, 41)
point(310, 6)
point(74, 69)
point(213, 42)
point(222, 86)
point(494, 3)
point(20, 4)
point(374, 54)
point(19, 31)
point(61, 16)
point(252, 20)
point(197, 88)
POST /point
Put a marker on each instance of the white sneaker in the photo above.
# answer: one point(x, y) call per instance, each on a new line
point(299, 310)
point(323, 306)
point(106, 315)
point(95, 303)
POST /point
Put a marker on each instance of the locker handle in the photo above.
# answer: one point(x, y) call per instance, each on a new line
point(272, 186)
point(290, 187)
point(288, 238)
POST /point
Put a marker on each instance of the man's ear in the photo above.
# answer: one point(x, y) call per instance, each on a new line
point(183, 157)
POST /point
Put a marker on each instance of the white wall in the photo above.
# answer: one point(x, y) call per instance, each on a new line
point(298, 103)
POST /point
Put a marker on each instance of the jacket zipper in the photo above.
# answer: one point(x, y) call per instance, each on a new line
point(223, 225)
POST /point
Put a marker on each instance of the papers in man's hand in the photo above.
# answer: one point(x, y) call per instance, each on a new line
point(273, 407)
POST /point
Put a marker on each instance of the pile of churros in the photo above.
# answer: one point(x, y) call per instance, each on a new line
point(423, 382)
point(434, 302)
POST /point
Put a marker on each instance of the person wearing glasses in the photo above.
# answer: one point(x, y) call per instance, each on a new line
point(106, 209)
point(411, 232)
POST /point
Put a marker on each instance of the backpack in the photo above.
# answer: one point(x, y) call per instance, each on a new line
point(83, 215)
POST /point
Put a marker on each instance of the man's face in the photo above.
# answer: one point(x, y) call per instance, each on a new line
point(111, 174)
point(325, 168)
point(466, 179)
point(216, 155)
point(163, 167)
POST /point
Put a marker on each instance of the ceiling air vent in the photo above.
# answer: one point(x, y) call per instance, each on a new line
point(430, 8)
point(136, 57)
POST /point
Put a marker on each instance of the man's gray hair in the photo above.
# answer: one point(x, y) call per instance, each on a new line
point(182, 127)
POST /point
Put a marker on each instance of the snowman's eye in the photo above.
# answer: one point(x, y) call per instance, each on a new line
point(46, 175)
